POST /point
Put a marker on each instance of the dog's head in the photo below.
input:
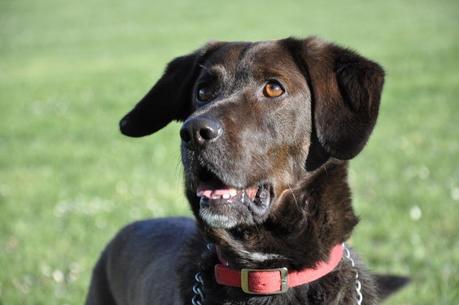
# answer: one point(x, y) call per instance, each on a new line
point(258, 119)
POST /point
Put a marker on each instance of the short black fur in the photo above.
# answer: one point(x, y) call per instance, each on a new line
point(294, 146)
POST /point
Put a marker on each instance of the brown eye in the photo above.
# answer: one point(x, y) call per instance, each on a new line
point(273, 89)
point(203, 94)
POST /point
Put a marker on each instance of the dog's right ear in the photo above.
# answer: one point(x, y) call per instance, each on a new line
point(170, 97)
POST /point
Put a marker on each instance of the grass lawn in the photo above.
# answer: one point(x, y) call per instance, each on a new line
point(69, 180)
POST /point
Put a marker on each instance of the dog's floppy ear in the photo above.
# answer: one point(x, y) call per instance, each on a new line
point(346, 91)
point(170, 97)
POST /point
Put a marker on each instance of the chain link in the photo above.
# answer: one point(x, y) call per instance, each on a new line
point(198, 297)
point(198, 287)
point(358, 284)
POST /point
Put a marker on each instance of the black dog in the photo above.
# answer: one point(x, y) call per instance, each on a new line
point(268, 129)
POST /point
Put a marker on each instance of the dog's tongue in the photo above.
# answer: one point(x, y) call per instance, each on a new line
point(212, 192)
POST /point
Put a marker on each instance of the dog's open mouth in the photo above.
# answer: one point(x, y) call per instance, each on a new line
point(256, 194)
point(220, 201)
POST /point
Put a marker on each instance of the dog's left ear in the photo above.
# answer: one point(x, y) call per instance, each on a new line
point(170, 97)
point(346, 91)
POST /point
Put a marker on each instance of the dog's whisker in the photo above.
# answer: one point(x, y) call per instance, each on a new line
point(294, 197)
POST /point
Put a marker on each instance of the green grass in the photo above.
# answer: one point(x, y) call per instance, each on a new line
point(69, 180)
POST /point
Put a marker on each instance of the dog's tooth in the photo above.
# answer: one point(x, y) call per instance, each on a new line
point(215, 196)
point(233, 192)
point(263, 194)
point(226, 196)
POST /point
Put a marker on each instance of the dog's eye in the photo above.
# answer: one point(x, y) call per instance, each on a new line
point(203, 94)
point(273, 89)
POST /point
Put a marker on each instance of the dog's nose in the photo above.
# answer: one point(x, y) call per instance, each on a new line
point(199, 131)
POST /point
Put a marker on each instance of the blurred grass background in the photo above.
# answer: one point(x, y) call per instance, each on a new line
point(69, 180)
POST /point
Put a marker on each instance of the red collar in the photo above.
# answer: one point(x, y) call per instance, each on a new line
point(274, 281)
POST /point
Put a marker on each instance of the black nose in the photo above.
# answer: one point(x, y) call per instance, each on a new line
point(199, 131)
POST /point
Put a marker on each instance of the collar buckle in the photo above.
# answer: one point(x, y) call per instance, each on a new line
point(283, 280)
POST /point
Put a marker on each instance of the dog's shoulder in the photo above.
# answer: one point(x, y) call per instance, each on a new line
point(148, 228)
point(155, 234)
point(130, 254)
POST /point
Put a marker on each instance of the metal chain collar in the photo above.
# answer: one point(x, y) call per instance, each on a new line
point(198, 297)
point(198, 286)
point(358, 285)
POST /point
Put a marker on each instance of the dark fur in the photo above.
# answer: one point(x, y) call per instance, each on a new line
point(298, 143)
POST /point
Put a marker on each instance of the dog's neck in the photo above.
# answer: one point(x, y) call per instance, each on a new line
point(305, 223)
